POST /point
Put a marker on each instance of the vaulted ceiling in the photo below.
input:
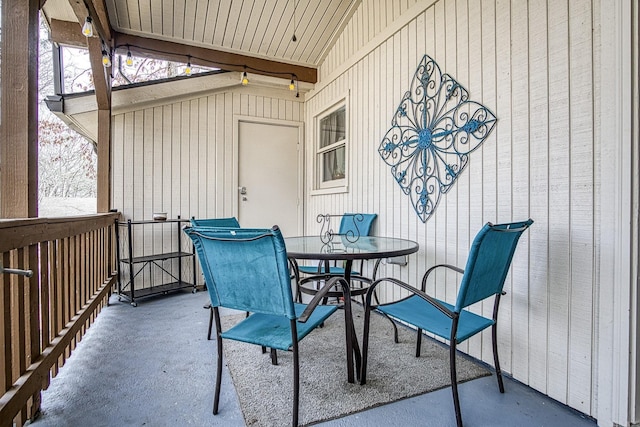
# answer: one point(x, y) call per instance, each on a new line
point(235, 33)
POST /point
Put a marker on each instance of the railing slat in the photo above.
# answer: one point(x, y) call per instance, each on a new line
point(5, 329)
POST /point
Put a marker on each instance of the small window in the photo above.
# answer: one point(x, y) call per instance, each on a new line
point(331, 151)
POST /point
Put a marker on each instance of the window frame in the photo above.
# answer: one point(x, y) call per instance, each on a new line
point(335, 185)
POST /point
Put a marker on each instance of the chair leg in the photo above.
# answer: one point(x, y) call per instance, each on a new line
point(418, 342)
point(365, 346)
point(216, 398)
point(210, 321)
point(274, 357)
point(454, 382)
point(296, 375)
point(496, 362)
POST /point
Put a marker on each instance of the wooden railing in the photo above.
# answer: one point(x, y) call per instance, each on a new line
point(44, 317)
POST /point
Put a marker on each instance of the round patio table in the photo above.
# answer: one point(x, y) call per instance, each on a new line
point(343, 248)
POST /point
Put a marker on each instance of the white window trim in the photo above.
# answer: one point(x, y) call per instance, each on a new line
point(336, 186)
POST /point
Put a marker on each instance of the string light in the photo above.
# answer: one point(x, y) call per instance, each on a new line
point(244, 80)
point(106, 59)
point(129, 60)
point(87, 28)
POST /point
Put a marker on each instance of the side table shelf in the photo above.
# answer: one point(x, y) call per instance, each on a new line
point(169, 265)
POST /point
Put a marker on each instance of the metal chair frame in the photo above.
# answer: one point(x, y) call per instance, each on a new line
point(454, 315)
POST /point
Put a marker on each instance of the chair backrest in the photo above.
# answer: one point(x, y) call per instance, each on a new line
point(245, 269)
point(216, 222)
point(356, 224)
point(489, 261)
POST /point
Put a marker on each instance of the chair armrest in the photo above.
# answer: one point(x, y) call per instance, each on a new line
point(428, 272)
point(411, 289)
point(322, 293)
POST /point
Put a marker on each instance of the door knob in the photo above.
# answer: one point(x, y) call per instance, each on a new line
point(243, 190)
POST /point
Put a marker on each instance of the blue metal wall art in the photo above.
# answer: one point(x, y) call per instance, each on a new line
point(432, 132)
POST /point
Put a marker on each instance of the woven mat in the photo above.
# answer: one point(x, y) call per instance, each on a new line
point(265, 391)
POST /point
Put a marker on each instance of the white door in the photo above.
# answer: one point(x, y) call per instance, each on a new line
point(269, 176)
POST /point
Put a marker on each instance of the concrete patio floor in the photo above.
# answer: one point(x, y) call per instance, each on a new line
point(153, 366)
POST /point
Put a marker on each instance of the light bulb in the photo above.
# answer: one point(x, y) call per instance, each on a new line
point(187, 70)
point(245, 79)
point(129, 60)
point(292, 85)
point(106, 60)
point(87, 28)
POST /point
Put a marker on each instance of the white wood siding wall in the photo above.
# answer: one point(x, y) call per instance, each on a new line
point(177, 157)
point(533, 63)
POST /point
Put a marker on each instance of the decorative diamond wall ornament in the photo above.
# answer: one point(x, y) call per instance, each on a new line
point(432, 132)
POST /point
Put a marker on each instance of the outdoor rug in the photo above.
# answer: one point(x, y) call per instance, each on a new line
point(265, 391)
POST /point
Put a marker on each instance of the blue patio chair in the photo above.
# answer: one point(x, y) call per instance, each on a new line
point(230, 222)
point(487, 266)
point(215, 222)
point(247, 269)
point(352, 225)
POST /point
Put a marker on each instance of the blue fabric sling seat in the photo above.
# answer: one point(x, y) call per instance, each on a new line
point(247, 270)
point(483, 277)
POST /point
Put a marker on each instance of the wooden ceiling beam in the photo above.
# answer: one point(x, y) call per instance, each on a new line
point(67, 33)
point(171, 51)
point(101, 74)
point(98, 11)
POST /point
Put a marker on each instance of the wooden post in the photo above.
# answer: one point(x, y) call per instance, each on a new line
point(19, 117)
point(104, 160)
point(102, 84)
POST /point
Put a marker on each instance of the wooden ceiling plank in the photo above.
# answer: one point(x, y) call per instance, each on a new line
point(156, 18)
point(200, 22)
point(67, 33)
point(261, 29)
point(111, 11)
point(133, 7)
point(232, 23)
point(210, 22)
point(327, 42)
point(178, 18)
point(311, 41)
point(306, 25)
point(284, 18)
point(167, 18)
point(145, 15)
point(252, 25)
point(221, 22)
point(244, 25)
point(122, 12)
point(190, 15)
point(211, 58)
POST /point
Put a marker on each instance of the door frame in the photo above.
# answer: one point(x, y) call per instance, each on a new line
point(237, 119)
